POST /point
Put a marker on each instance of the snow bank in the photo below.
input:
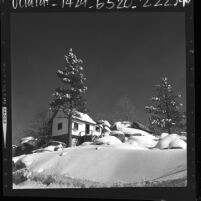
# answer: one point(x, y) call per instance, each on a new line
point(131, 145)
point(116, 132)
point(126, 128)
point(106, 129)
point(49, 148)
point(182, 137)
point(29, 139)
point(178, 144)
point(163, 135)
point(107, 140)
point(86, 143)
point(109, 164)
point(106, 134)
point(142, 141)
point(128, 124)
point(16, 158)
point(119, 134)
point(137, 132)
point(169, 141)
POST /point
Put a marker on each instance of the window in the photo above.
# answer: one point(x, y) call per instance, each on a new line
point(75, 126)
point(59, 126)
point(97, 129)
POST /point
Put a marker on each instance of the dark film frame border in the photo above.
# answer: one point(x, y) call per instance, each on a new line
point(157, 193)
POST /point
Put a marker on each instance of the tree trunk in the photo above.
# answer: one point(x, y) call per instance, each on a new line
point(70, 130)
point(70, 126)
point(169, 130)
point(167, 112)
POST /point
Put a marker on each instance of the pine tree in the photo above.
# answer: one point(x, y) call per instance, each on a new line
point(166, 114)
point(70, 99)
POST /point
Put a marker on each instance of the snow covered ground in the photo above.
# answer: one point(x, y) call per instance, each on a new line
point(102, 164)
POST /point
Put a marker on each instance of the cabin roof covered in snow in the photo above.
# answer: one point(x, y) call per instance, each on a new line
point(78, 115)
point(84, 117)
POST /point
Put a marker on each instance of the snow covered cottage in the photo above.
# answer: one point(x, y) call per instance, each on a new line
point(83, 127)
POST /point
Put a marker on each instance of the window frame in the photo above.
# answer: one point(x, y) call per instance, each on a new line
point(60, 126)
point(76, 128)
point(97, 129)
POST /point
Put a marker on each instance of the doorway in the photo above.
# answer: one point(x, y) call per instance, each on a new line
point(87, 129)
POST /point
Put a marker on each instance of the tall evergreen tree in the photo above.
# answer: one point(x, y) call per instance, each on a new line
point(166, 114)
point(70, 99)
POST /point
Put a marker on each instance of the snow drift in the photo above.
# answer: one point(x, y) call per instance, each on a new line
point(108, 164)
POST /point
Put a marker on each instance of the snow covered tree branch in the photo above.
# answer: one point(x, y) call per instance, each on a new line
point(166, 114)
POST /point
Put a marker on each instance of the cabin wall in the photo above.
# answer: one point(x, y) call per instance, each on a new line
point(63, 130)
point(80, 131)
point(97, 132)
point(78, 126)
point(81, 128)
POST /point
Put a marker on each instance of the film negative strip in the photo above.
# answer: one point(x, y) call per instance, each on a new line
point(126, 46)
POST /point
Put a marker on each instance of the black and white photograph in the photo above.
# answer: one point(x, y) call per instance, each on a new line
point(98, 100)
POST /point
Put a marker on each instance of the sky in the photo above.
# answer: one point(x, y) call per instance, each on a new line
point(124, 54)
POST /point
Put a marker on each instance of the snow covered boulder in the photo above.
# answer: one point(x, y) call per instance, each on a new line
point(119, 134)
point(14, 147)
point(27, 139)
point(184, 138)
point(58, 148)
point(104, 123)
point(54, 143)
point(74, 142)
point(86, 143)
point(137, 132)
point(106, 133)
point(16, 158)
point(163, 135)
point(132, 131)
point(25, 148)
point(164, 143)
point(105, 129)
point(142, 141)
point(120, 125)
point(177, 144)
point(140, 126)
point(50, 148)
point(107, 140)
point(128, 124)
